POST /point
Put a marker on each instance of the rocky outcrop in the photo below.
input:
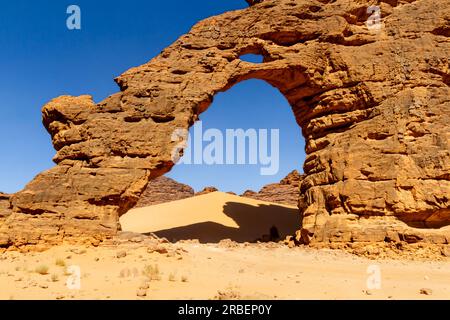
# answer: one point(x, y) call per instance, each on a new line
point(162, 190)
point(372, 104)
point(5, 205)
point(284, 192)
point(207, 190)
point(5, 211)
point(4, 202)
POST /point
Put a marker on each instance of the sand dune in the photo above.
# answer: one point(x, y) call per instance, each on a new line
point(211, 218)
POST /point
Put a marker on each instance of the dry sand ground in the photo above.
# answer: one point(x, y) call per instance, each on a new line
point(246, 272)
point(190, 270)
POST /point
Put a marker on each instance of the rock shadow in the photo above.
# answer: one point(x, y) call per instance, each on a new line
point(433, 219)
point(255, 223)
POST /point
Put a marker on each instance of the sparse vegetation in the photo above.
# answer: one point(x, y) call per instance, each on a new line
point(60, 262)
point(152, 272)
point(184, 278)
point(172, 277)
point(42, 269)
point(54, 277)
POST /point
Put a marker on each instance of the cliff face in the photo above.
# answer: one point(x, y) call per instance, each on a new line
point(372, 104)
point(284, 192)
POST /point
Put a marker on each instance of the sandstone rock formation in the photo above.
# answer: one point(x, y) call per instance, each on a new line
point(4, 205)
point(373, 105)
point(162, 190)
point(284, 192)
point(5, 211)
point(207, 190)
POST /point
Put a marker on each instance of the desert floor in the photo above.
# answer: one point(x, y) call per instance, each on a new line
point(216, 271)
point(210, 267)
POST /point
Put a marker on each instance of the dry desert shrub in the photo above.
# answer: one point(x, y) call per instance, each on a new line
point(60, 262)
point(152, 272)
point(54, 277)
point(42, 269)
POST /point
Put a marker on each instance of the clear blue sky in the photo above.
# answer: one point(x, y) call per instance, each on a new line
point(41, 59)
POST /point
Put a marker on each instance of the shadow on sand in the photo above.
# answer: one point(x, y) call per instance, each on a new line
point(253, 222)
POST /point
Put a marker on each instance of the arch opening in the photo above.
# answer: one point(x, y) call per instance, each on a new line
point(253, 105)
point(252, 58)
point(247, 205)
point(254, 53)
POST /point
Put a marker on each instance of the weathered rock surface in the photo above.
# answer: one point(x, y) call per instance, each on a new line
point(162, 190)
point(373, 106)
point(4, 204)
point(284, 192)
point(5, 211)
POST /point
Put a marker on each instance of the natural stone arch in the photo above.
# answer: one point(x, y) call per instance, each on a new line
point(373, 108)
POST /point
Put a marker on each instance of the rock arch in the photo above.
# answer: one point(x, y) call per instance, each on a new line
point(373, 107)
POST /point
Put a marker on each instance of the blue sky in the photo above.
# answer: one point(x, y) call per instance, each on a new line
point(41, 59)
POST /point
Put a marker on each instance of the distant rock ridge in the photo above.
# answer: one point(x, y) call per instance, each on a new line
point(207, 190)
point(162, 190)
point(285, 192)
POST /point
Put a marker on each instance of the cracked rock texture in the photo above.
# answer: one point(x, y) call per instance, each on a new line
point(374, 108)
